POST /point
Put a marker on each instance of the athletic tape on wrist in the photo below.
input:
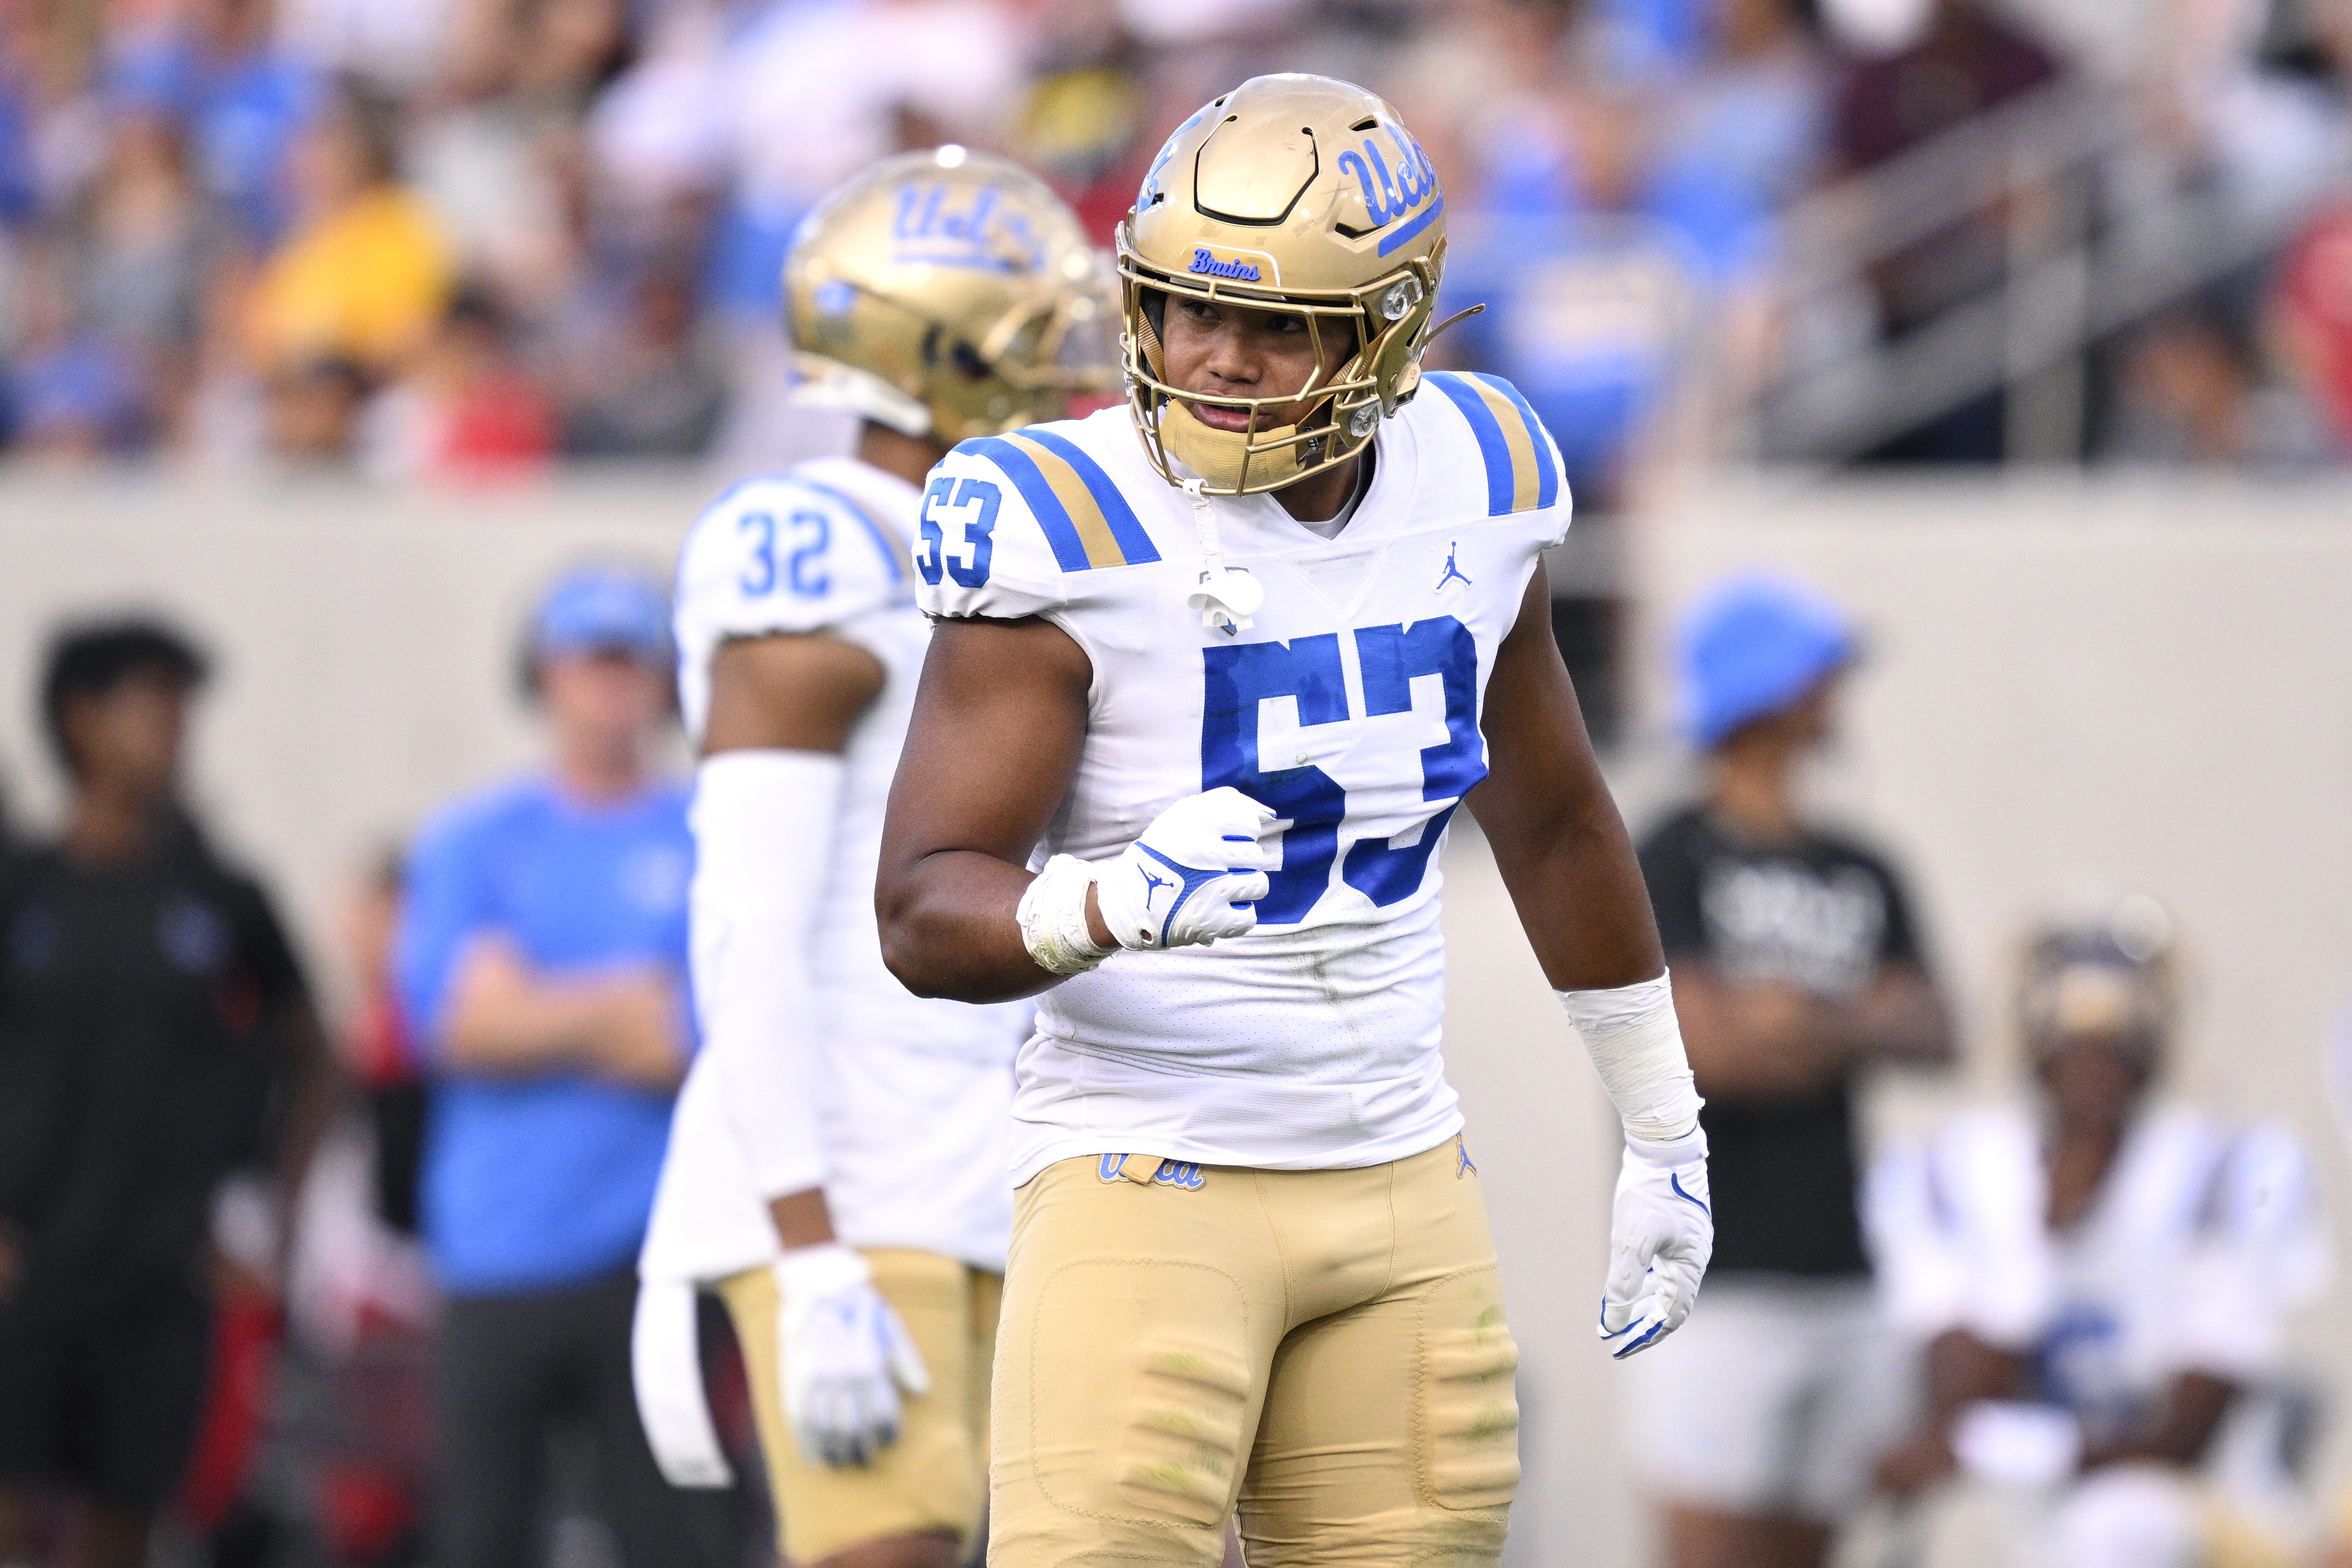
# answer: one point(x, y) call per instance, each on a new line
point(1637, 1049)
point(1053, 915)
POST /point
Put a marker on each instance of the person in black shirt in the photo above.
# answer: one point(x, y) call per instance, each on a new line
point(155, 1036)
point(1796, 964)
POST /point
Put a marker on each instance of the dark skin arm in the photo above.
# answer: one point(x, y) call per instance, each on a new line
point(999, 720)
point(2192, 1411)
point(998, 723)
point(1962, 1370)
point(1562, 846)
point(790, 692)
point(1762, 1040)
point(314, 1089)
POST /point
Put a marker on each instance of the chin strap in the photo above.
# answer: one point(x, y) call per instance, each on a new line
point(1227, 597)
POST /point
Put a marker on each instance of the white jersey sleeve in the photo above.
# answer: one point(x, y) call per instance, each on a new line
point(2260, 1251)
point(1956, 1229)
point(787, 554)
point(1005, 517)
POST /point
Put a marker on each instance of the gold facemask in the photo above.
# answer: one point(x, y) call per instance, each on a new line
point(1298, 194)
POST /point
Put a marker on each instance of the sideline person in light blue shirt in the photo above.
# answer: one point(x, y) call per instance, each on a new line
point(542, 957)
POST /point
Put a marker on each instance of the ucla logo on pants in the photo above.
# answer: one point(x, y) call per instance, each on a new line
point(1240, 266)
point(1185, 1173)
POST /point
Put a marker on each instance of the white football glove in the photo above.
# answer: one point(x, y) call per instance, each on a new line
point(844, 1354)
point(1661, 1234)
point(1193, 875)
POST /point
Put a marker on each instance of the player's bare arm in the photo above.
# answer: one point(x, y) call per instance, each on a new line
point(1558, 839)
point(999, 718)
point(789, 691)
point(1962, 1370)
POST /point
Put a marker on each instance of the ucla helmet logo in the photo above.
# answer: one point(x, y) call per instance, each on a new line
point(947, 294)
point(1298, 195)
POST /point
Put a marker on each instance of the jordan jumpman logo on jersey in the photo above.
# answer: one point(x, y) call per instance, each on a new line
point(1452, 573)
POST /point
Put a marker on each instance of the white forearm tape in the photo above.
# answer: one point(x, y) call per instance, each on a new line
point(764, 834)
point(1053, 915)
point(1637, 1049)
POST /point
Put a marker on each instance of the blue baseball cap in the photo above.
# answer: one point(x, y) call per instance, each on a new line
point(602, 608)
point(1753, 646)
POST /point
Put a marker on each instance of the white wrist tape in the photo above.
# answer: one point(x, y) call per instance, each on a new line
point(1637, 1049)
point(1053, 915)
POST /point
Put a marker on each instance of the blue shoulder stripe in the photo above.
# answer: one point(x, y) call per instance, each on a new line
point(1489, 432)
point(1086, 519)
point(1052, 517)
point(1134, 544)
point(1547, 472)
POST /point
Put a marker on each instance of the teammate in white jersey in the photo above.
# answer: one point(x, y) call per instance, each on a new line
point(836, 1167)
point(2102, 1294)
point(1196, 715)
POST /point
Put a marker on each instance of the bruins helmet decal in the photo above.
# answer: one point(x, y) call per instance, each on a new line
point(1297, 194)
point(948, 294)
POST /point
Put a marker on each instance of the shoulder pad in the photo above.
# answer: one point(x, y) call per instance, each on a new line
point(1522, 464)
point(1006, 517)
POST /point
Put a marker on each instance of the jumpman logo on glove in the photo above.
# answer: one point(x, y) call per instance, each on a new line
point(1209, 849)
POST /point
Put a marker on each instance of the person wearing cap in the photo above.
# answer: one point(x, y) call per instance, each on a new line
point(541, 959)
point(1796, 966)
point(2099, 1284)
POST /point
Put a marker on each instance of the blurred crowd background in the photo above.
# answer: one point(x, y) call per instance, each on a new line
point(333, 328)
point(459, 239)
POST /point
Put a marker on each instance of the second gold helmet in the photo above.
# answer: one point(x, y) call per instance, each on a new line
point(947, 294)
point(1298, 195)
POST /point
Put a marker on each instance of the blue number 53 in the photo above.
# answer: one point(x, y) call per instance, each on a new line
point(1307, 669)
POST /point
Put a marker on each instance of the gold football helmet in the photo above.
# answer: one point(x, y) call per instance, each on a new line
point(947, 294)
point(1292, 193)
point(2105, 968)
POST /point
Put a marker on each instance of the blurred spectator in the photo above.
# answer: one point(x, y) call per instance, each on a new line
point(364, 271)
point(2192, 391)
point(381, 1056)
point(155, 1036)
point(1594, 300)
point(817, 92)
point(541, 957)
point(314, 411)
point(140, 267)
point(2313, 312)
point(74, 395)
point(1796, 966)
point(2101, 1287)
point(466, 409)
point(1082, 121)
point(649, 389)
point(1970, 59)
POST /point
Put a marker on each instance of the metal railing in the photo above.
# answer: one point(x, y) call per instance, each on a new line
point(2095, 227)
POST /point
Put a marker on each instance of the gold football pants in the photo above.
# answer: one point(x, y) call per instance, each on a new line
point(1323, 1350)
point(928, 1481)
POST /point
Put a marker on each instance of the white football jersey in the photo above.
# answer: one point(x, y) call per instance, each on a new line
point(919, 1092)
point(2196, 1247)
point(1352, 709)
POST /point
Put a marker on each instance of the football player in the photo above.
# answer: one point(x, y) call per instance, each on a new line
point(1196, 715)
point(2102, 1290)
point(836, 1167)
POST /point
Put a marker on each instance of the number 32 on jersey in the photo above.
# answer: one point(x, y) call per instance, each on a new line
point(1307, 670)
